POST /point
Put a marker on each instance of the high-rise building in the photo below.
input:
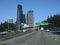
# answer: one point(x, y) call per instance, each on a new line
point(10, 20)
point(20, 16)
point(24, 19)
point(30, 18)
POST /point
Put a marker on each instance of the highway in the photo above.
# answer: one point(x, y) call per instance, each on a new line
point(34, 38)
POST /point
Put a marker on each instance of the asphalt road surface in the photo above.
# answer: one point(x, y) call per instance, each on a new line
point(34, 38)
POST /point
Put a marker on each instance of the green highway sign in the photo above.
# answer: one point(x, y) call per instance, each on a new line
point(37, 24)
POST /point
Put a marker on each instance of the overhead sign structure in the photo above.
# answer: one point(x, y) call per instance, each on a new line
point(44, 23)
point(37, 24)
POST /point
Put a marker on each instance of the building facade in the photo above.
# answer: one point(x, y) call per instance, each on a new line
point(20, 16)
point(10, 20)
point(30, 19)
point(24, 19)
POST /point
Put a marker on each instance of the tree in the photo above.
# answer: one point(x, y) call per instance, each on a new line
point(55, 19)
point(4, 26)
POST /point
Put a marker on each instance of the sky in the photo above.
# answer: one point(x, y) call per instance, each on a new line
point(42, 8)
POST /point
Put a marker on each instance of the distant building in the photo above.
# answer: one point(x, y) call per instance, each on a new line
point(9, 20)
point(20, 16)
point(24, 19)
point(30, 19)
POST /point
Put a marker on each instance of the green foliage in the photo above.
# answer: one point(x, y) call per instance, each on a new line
point(55, 19)
point(4, 26)
point(12, 26)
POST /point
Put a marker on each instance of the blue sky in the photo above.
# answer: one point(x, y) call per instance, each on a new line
point(42, 8)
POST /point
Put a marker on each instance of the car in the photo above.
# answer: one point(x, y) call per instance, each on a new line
point(24, 30)
point(36, 29)
point(42, 28)
point(47, 30)
point(3, 33)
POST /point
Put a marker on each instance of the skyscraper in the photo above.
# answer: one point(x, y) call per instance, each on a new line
point(20, 16)
point(24, 19)
point(30, 18)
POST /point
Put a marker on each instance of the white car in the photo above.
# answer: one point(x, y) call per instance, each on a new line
point(42, 28)
point(47, 30)
point(5, 32)
point(24, 30)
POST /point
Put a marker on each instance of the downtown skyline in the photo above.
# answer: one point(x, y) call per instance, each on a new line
point(42, 9)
